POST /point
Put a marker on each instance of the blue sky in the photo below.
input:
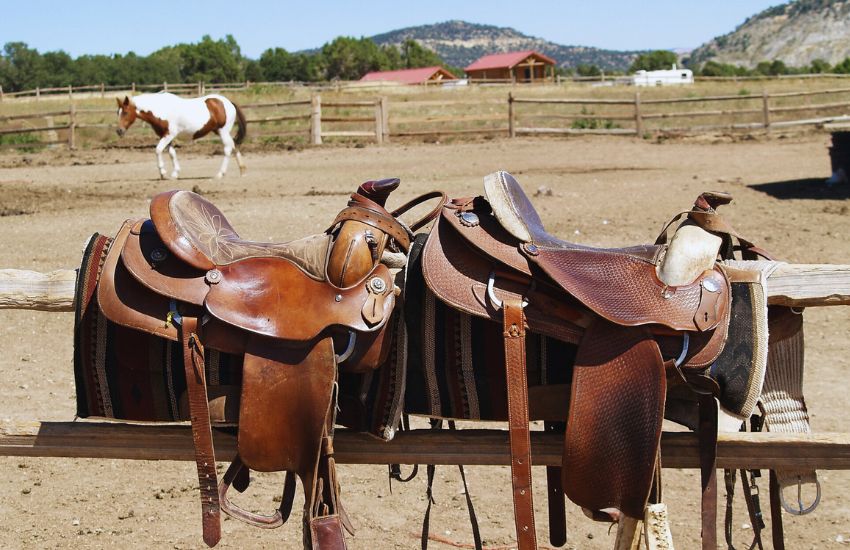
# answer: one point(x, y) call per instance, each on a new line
point(146, 25)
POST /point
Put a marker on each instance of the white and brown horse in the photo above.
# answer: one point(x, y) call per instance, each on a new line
point(171, 116)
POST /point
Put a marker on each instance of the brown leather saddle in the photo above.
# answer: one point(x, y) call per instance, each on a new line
point(296, 311)
point(491, 257)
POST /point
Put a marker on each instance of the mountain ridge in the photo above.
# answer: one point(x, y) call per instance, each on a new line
point(459, 43)
point(796, 33)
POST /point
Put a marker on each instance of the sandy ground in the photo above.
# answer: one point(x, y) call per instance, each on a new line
point(607, 191)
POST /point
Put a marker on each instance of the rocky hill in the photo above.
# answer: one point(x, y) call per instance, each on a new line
point(460, 43)
point(796, 33)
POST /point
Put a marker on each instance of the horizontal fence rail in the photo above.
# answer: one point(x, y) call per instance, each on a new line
point(315, 120)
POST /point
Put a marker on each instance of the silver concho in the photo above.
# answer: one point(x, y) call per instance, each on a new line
point(213, 276)
point(377, 285)
point(158, 254)
point(469, 219)
point(531, 248)
point(710, 285)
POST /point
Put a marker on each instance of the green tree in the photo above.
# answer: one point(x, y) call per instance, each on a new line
point(819, 66)
point(348, 58)
point(842, 67)
point(588, 70)
point(414, 55)
point(654, 61)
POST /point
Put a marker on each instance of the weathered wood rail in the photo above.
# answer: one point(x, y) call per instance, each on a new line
point(798, 285)
point(136, 441)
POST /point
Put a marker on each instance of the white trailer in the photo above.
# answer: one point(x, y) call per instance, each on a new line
point(667, 77)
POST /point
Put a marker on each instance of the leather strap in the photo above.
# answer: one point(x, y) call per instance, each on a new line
point(196, 387)
point(708, 468)
point(520, 441)
point(776, 531)
point(555, 496)
point(430, 216)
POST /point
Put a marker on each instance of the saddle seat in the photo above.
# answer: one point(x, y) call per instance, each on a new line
point(198, 233)
point(619, 284)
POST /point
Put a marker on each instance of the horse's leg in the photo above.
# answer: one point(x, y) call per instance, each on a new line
point(164, 142)
point(227, 140)
point(175, 173)
point(239, 161)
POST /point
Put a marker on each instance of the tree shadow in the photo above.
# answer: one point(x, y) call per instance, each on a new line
point(806, 188)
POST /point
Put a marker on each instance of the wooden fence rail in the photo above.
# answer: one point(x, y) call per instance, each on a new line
point(478, 447)
point(375, 120)
point(372, 112)
point(639, 115)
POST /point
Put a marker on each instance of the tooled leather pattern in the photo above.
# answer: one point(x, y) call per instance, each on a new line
point(520, 442)
point(627, 291)
point(207, 229)
point(614, 424)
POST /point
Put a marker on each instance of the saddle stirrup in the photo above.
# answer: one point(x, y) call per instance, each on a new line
point(257, 520)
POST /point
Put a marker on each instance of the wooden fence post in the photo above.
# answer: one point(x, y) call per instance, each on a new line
point(511, 121)
point(102, 90)
point(385, 119)
point(165, 86)
point(200, 88)
point(70, 93)
point(316, 120)
point(765, 110)
point(1, 93)
point(638, 116)
point(72, 127)
point(37, 92)
point(379, 123)
point(133, 88)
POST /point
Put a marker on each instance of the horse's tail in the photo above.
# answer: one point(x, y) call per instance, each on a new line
point(240, 120)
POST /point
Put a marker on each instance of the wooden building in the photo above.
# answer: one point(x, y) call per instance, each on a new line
point(526, 66)
point(423, 75)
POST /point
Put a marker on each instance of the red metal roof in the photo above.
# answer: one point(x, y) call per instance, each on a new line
point(407, 76)
point(505, 60)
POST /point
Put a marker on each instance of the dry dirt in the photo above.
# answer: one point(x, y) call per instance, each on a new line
point(606, 191)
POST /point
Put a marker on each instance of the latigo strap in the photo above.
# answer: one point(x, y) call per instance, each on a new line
point(520, 441)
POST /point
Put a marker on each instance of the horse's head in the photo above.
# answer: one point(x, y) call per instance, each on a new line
point(126, 115)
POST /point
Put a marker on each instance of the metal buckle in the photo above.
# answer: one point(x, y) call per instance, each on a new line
point(491, 293)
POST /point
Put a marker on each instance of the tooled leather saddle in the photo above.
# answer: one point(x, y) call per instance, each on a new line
point(295, 312)
point(491, 257)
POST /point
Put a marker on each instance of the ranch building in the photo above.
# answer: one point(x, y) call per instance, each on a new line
point(424, 75)
point(525, 66)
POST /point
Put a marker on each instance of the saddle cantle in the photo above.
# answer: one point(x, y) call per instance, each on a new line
point(295, 312)
point(491, 257)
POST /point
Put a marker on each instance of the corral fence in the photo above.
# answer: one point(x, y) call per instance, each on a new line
point(636, 116)
point(314, 120)
point(201, 88)
point(310, 120)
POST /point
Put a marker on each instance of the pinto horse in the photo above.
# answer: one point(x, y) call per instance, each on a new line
point(171, 116)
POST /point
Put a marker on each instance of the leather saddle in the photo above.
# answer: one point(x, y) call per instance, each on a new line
point(297, 312)
point(491, 257)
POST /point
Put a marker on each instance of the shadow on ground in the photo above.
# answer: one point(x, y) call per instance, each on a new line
point(807, 188)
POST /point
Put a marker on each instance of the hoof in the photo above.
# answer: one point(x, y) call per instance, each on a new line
point(219, 176)
point(175, 175)
point(162, 175)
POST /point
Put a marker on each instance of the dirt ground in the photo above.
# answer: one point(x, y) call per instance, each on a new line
point(606, 191)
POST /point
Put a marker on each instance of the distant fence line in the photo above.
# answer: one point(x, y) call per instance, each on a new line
point(313, 120)
point(200, 88)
